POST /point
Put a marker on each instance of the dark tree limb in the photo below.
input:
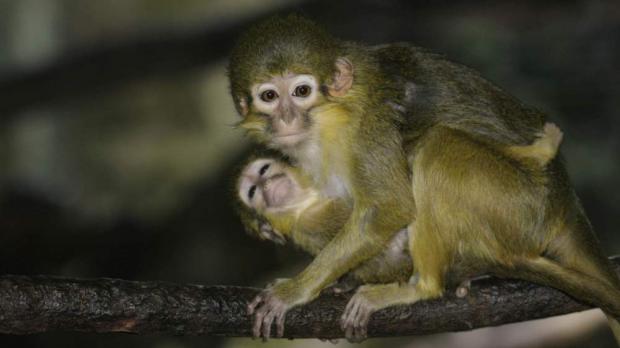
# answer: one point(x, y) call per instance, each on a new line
point(39, 304)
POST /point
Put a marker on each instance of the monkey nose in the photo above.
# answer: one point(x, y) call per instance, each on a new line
point(288, 118)
point(289, 115)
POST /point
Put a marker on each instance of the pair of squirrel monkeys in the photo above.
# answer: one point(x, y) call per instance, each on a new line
point(397, 168)
point(279, 203)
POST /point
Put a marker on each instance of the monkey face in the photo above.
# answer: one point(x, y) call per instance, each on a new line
point(280, 106)
point(285, 100)
point(268, 185)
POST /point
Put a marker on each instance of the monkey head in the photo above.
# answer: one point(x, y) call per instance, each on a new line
point(281, 70)
point(272, 193)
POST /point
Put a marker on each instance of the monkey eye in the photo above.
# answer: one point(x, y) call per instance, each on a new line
point(269, 95)
point(263, 169)
point(252, 192)
point(302, 91)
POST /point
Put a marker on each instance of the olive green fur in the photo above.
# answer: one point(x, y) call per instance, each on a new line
point(257, 56)
point(377, 214)
point(313, 228)
point(419, 139)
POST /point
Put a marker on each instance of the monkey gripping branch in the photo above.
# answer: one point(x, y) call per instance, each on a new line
point(37, 304)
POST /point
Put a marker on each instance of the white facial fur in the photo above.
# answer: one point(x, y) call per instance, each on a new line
point(285, 87)
point(286, 100)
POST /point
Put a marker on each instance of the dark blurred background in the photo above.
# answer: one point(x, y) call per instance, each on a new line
point(117, 151)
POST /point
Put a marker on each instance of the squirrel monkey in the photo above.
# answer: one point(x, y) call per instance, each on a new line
point(278, 203)
point(406, 137)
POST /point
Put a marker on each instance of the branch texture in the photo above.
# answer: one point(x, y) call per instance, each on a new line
point(38, 304)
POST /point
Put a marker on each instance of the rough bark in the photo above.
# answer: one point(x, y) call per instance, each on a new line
point(41, 303)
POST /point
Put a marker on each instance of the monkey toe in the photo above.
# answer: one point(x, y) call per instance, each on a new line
point(280, 317)
point(266, 324)
point(463, 289)
point(269, 311)
point(355, 318)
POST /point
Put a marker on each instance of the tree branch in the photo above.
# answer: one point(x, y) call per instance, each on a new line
point(41, 303)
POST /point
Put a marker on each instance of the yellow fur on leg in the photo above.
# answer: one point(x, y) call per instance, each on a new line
point(367, 300)
point(373, 297)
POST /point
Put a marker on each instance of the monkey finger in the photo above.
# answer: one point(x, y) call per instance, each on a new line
point(349, 307)
point(359, 328)
point(348, 322)
point(348, 334)
point(255, 302)
point(267, 321)
point(351, 310)
point(256, 329)
point(280, 319)
point(362, 323)
point(352, 335)
point(258, 321)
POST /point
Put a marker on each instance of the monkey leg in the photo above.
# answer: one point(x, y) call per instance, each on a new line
point(427, 283)
point(362, 240)
point(367, 300)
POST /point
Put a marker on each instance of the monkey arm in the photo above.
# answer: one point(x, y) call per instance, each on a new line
point(382, 204)
point(361, 239)
point(318, 225)
point(382, 210)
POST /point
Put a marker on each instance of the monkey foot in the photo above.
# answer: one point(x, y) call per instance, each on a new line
point(354, 321)
point(267, 308)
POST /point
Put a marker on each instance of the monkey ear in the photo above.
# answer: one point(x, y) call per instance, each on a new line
point(243, 106)
point(343, 78)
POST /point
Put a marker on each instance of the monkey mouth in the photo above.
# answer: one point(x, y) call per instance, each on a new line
point(278, 192)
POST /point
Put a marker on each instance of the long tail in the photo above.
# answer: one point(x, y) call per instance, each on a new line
point(581, 286)
point(615, 327)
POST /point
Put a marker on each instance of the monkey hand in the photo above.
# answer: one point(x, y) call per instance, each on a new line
point(272, 304)
point(266, 231)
